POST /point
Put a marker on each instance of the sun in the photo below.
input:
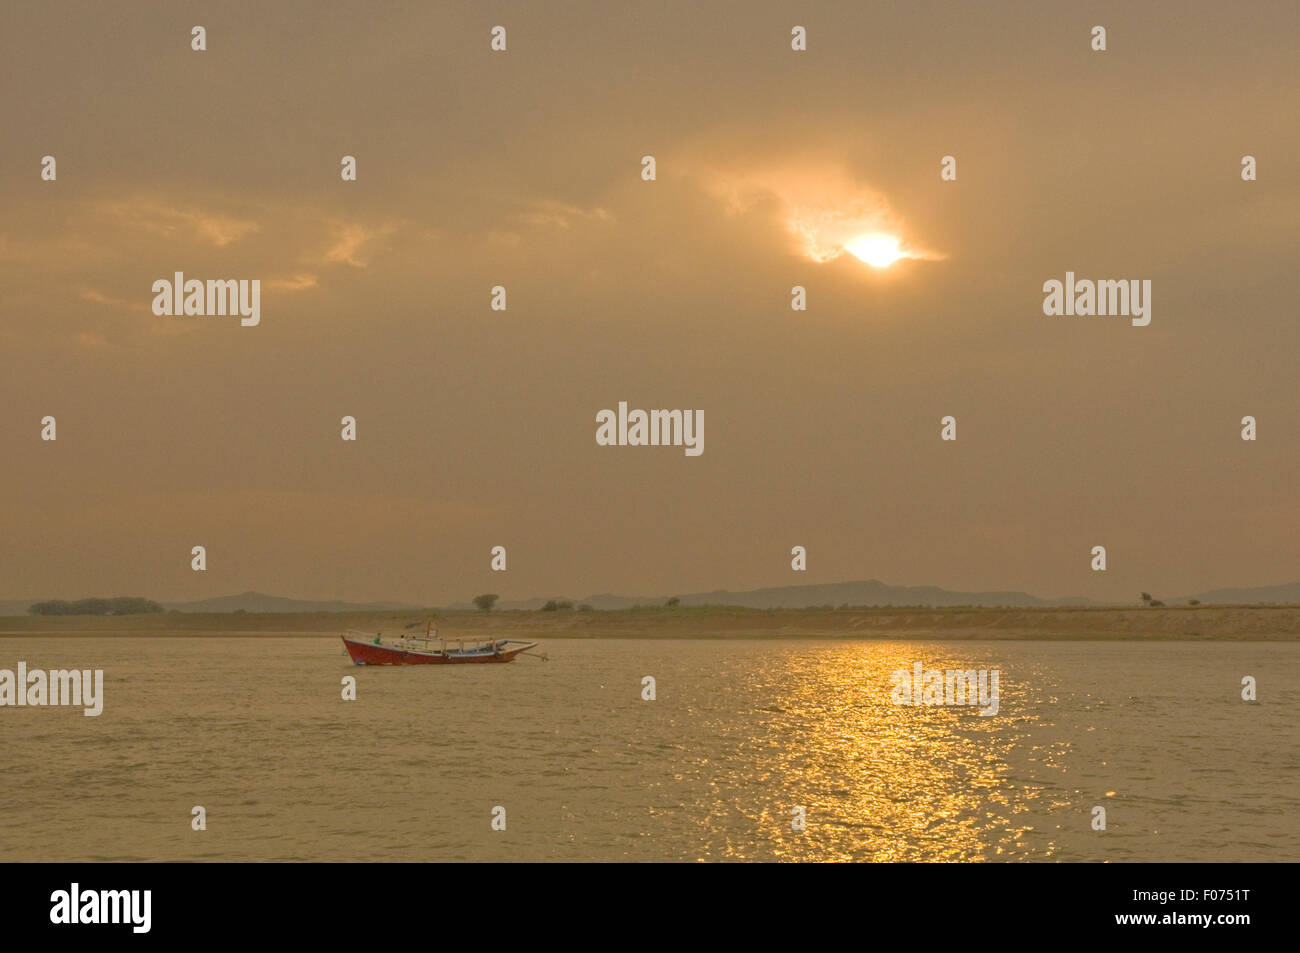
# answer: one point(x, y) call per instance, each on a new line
point(877, 250)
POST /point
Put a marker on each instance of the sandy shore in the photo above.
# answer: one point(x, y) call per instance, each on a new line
point(1230, 623)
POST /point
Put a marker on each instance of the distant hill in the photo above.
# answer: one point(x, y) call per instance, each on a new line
point(873, 592)
point(1285, 594)
point(247, 601)
point(119, 605)
point(870, 592)
point(261, 602)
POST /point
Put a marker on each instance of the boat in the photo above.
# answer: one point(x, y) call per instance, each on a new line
point(432, 649)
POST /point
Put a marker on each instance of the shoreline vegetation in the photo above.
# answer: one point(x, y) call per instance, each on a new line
point(1272, 623)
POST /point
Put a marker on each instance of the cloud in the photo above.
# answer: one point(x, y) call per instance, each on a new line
point(98, 297)
point(72, 252)
point(292, 283)
point(350, 238)
point(549, 213)
point(92, 342)
point(160, 217)
point(821, 206)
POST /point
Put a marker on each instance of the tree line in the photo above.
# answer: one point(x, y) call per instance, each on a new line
point(124, 605)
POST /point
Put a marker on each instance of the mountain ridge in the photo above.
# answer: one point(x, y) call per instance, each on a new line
point(866, 592)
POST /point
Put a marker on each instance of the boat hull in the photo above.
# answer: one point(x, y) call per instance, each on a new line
point(368, 653)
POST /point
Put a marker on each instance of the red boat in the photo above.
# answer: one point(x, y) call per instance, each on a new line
point(429, 649)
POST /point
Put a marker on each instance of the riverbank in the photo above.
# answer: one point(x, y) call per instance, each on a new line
point(1196, 623)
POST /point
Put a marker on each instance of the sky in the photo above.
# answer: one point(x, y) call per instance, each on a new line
point(476, 428)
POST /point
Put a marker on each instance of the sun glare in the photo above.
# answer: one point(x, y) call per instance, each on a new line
point(878, 251)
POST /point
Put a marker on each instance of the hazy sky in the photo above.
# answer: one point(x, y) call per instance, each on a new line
point(477, 428)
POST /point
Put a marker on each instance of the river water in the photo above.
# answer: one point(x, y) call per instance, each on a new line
point(741, 736)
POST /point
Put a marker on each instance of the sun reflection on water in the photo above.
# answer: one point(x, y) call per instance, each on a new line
point(878, 781)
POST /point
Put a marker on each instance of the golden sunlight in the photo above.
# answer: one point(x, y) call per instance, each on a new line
point(878, 250)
